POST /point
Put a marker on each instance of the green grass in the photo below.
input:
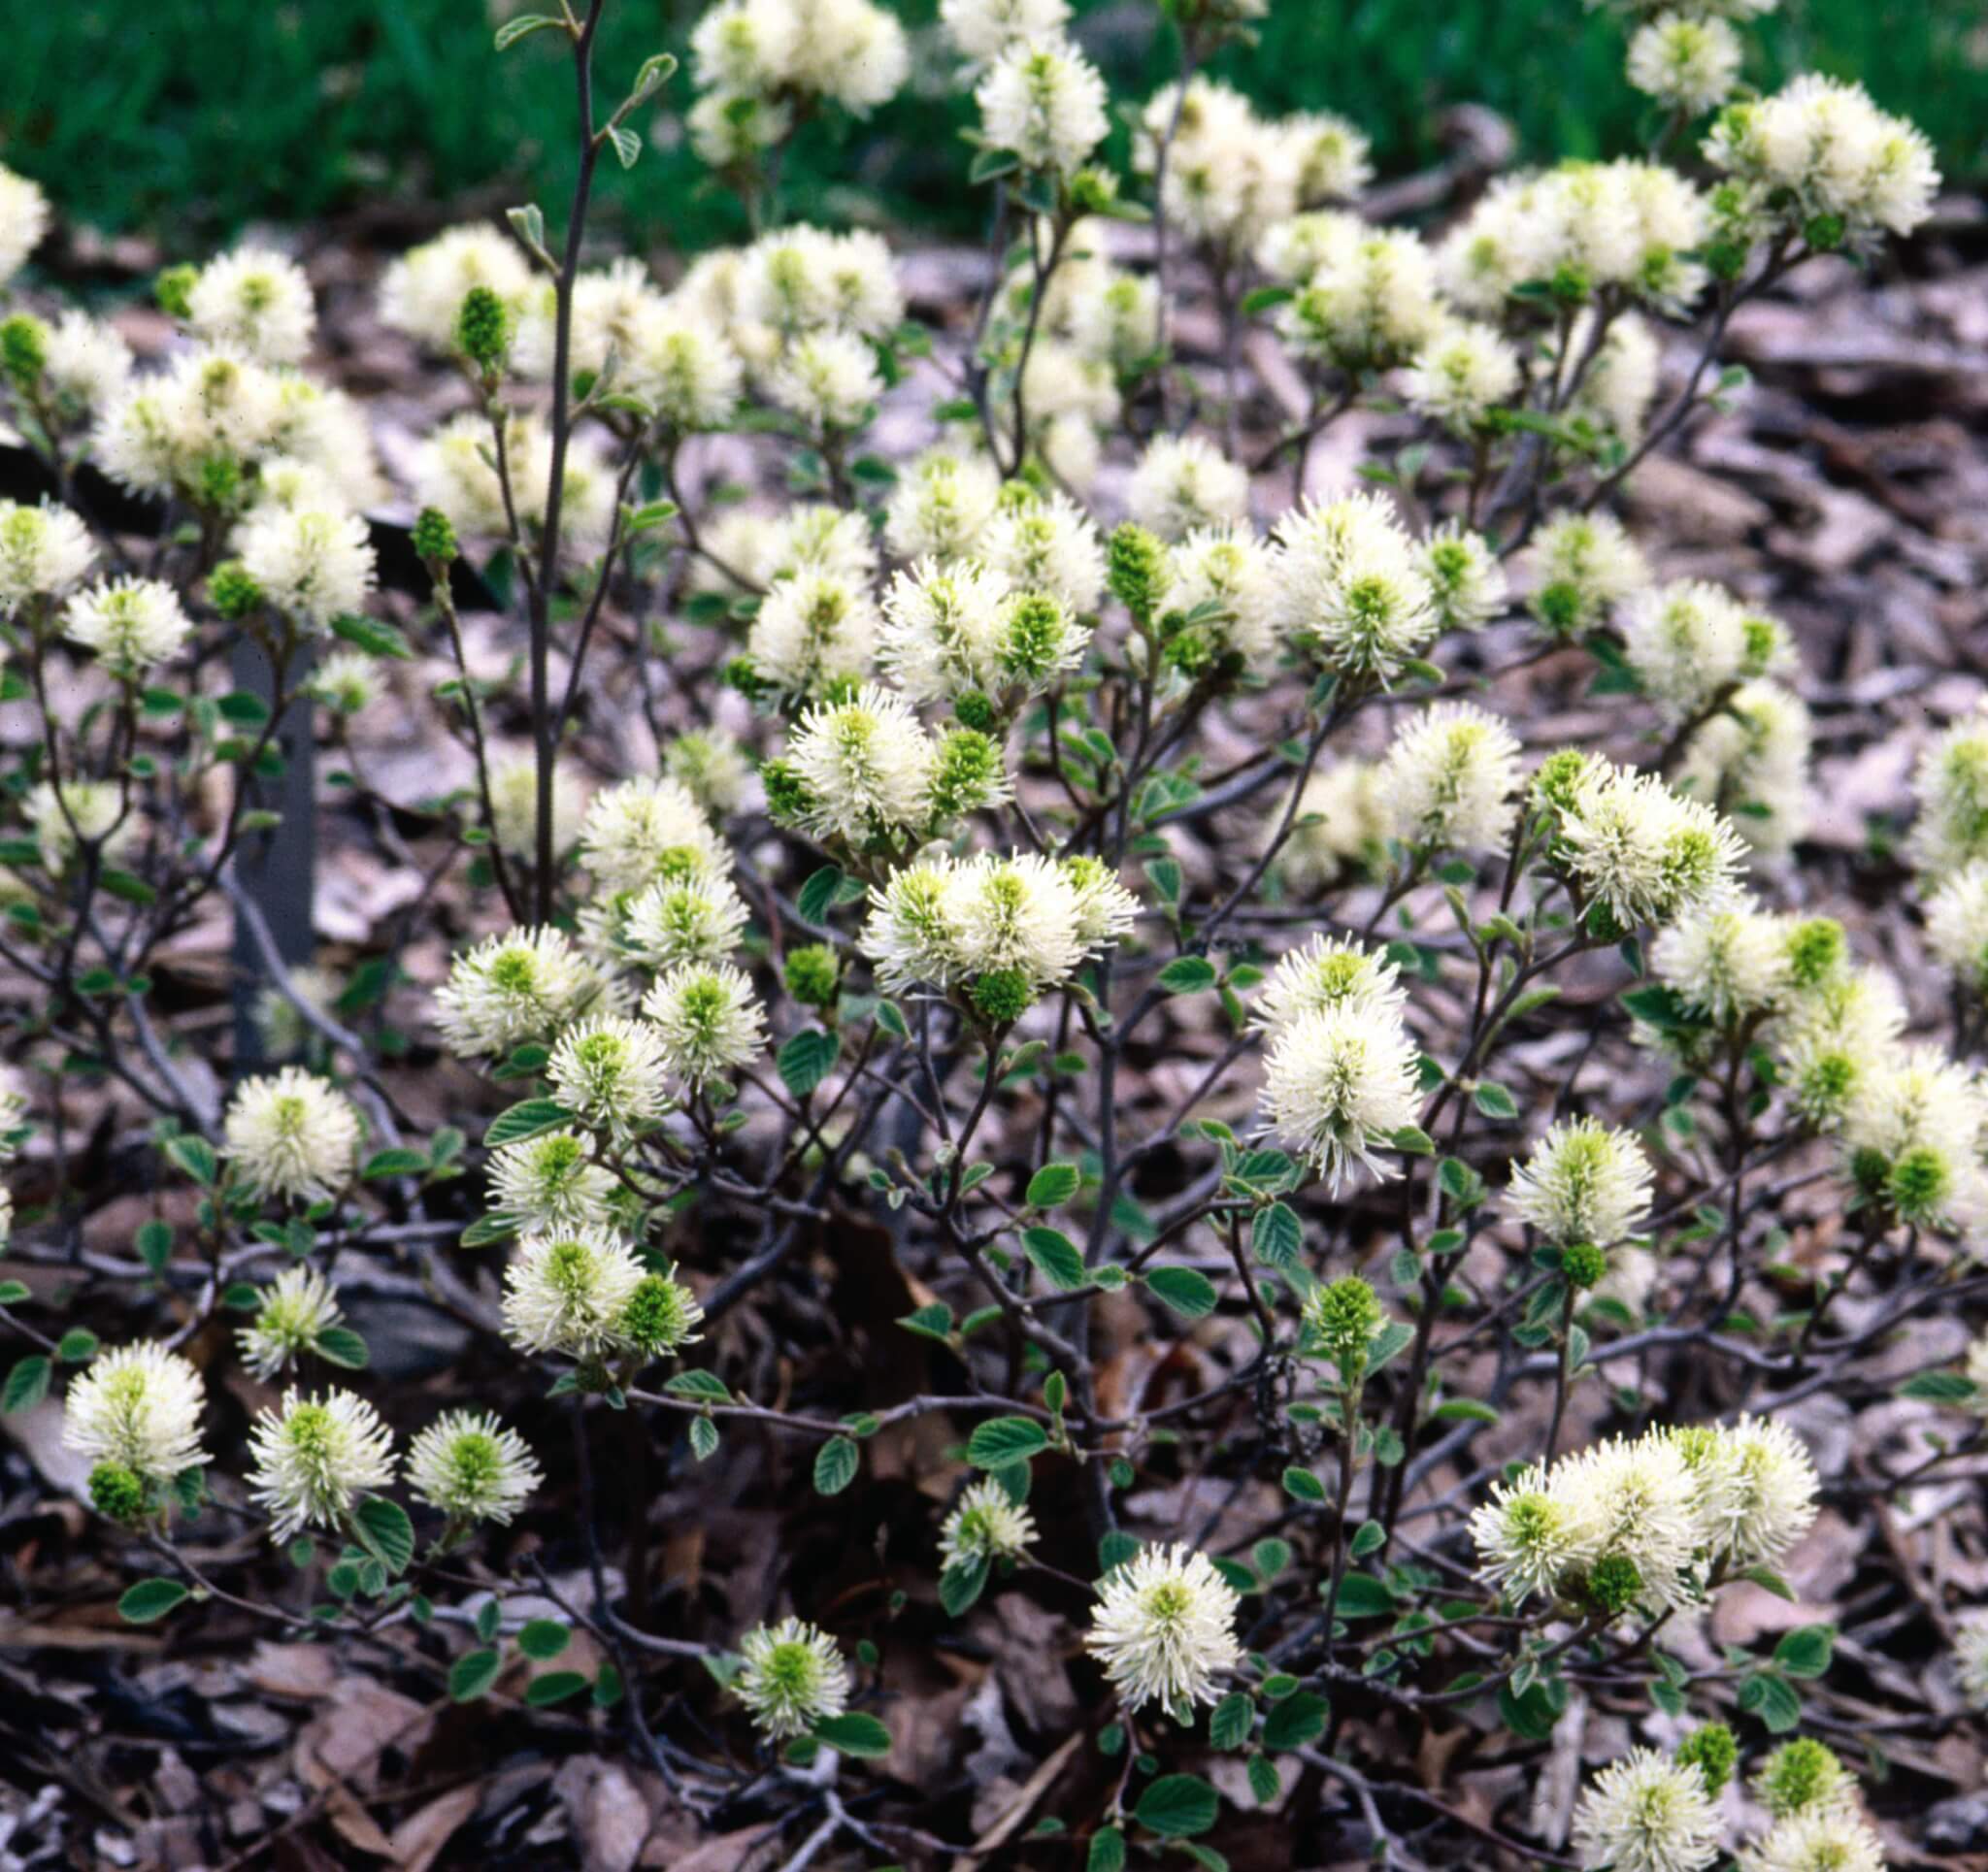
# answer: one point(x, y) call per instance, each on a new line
point(188, 117)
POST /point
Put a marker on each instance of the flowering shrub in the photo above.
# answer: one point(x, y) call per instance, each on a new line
point(1300, 1295)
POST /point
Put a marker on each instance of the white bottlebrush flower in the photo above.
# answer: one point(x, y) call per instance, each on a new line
point(1339, 1083)
point(138, 1406)
point(1815, 1842)
point(984, 29)
point(566, 1291)
point(1461, 375)
point(1465, 576)
point(44, 550)
point(1350, 587)
point(1182, 482)
point(829, 380)
point(1950, 789)
point(1371, 303)
point(639, 830)
point(1046, 545)
point(1582, 566)
point(552, 1182)
point(1686, 641)
point(1751, 760)
point(610, 1072)
point(852, 52)
point(1636, 1502)
point(1164, 1628)
point(708, 1019)
point(423, 290)
point(300, 1305)
point(1528, 1538)
point(1773, 1492)
point(1646, 1812)
point(472, 1468)
point(130, 624)
point(89, 363)
point(1819, 149)
point(1727, 962)
point(1334, 154)
point(1451, 780)
point(1834, 1037)
point(315, 565)
point(1328, 971)
point(257, 300)
point(1957, 924)
point(986, 1523)
point(23, 220)
point(84, 811)
point(793, 1677)
point(941, 503)
point(292, 1137)
point(686, 372)
point(1044, 102)
point(1688, 63)
point(1622, 377)
point(1337, 830)
point(941, 629)
point(1584, 1183)
point(685, 919)
point(867, 764)
point(712, 764)
point(347, 683)
point(1116, 322)
point(1222, 576)
point(1640, 850)
point(514, 806)
point(812, 630)
point(510, 989)
point(315, 1458)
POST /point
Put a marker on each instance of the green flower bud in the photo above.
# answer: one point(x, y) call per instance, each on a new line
point(1137, 570)
point(1614, 1584)
point(483, 330)
point(662, 1314)
point(231, 591)
point(1919, 1183)
point(118, 1493)
point(966, 775)
point(174, 289)
point(434, 537)
point(788, 797)
point(1798, 1775)
point(975, 711)
point(1002, 996)
point(813, 974)
point(24, 352)
point(1713, 1752)
point(1584, 1264)
point(1815, 950)
point(1340, 1320)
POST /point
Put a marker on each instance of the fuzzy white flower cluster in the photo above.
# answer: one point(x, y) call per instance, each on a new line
point(1164, 1629)
point(1646, 1812)
point(291, 1137)
point(1353, 586)
point(1637, 848)
point(1451, 780)
point(1342, 1075)
point(139, 1408)
point(961, 629)
point(315, 1458)
point(1043, 102)
point(1583, 1182)
point(1820, 160)
point(1648, 1521)
point(792, 1676)
point(23, 220)
point(44, 551)
point(1002, 930)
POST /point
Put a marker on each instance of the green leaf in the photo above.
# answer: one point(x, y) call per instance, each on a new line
point(1108, 1851)
point(1363, 1597)
point(1806, 1652)
point(706, 1386)
point(806, 1059)
point(1002, 1440)
point(26, 1383)
point(75, 1345)
point(962, 1583)
point(1453, 1410)
point(395, 1162)
point(382, 1529)
point(195, 1157)
point(1233, 1717)
point(1296, 1721)
point(1769, 1581)
point(1188, 975)
point(154, 1243)
point(704, 1438)
point(1494, 1101)
point(1178, 1807)
point(1264, 1781)
point(627, 145)
point(855, 1732)
point(542, 1640)
point(1186, 1289)
point(340, 1345)
point(472, 1673)
point(371, 635)
point(835, 1466)
point(1058, 1258)
point(555, 1686)
point(527, 1119)
point(1941, 1388)
point(149, 1599)
point(1304, 1485)
point(1276, 1237)
point(1367, 1537)
point(523, 26)
point(817, 895)
point(933, 1321)
point(1768, 1695)
point(13, 1293)
point(1053, 1184)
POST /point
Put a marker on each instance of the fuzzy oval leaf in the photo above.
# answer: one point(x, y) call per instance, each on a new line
point(149, 1599)
point(1186, 1289)
point(1002, 1440)
point(1178, 1807)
